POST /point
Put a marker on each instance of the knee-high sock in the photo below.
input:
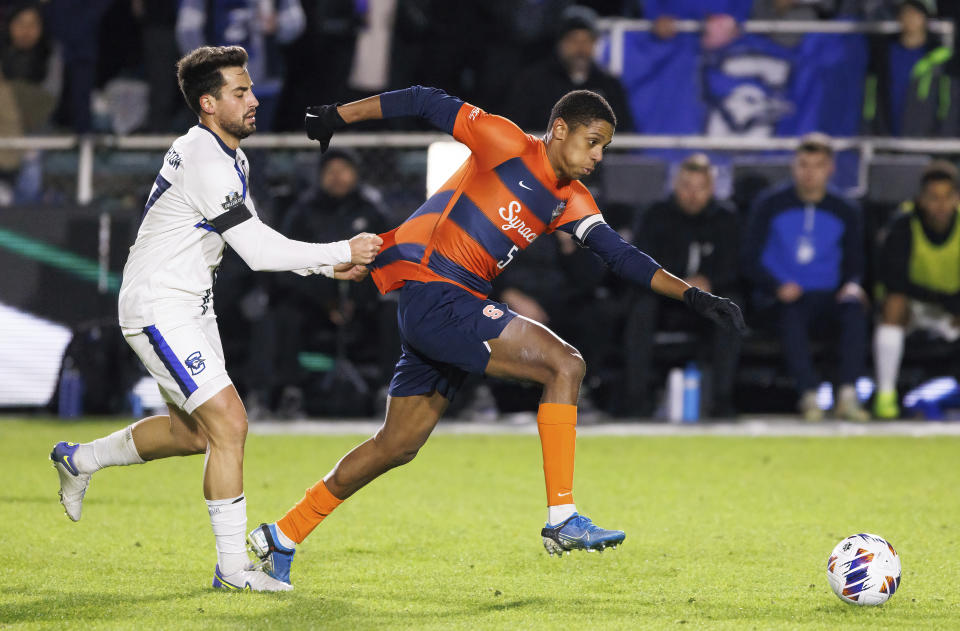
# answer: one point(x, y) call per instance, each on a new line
point(228, 517)
point(557, 424)
point(887, 354)
point(317, 503)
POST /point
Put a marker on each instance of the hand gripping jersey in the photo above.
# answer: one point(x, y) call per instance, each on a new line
point(503, 197)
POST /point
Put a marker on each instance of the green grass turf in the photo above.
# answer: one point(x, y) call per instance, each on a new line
point(722, 533)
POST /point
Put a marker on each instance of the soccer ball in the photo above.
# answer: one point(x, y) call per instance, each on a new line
point(864, 570)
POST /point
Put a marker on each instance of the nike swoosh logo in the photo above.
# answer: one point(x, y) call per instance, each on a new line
point(522, 185)
point(562, 494)
point(312, 116)
point(72, 469)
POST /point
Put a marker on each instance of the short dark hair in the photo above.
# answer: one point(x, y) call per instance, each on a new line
point(939, 171)
point(815, 142)
point(198, 72)
point(697, 163)
point(581, 107)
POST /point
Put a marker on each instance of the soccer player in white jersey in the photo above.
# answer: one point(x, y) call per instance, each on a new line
point(200, 203)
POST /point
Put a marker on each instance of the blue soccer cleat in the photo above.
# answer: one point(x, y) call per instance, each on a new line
point(248, 580)
point(274, 558)
point(579, 533)
point(73, 484)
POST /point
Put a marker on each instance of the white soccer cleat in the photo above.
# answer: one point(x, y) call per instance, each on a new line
point(73, 484)
point(248, 580)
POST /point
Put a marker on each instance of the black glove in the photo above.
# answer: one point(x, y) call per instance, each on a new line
point(321, 121)
point(723, 311)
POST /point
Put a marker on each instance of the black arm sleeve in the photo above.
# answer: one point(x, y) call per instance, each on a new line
point(232, 218)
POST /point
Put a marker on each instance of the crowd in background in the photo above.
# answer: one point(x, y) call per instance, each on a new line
point(810, 271)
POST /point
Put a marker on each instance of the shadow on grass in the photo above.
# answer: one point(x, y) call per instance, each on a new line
point(188, 605)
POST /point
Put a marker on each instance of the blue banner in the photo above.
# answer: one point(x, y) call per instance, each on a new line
point(752, 87)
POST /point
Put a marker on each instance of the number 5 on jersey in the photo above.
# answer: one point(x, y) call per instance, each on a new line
point(506, 261)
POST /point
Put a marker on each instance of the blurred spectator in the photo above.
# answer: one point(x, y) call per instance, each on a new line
point(257, 25)
point(317, 62)
point(788, 10)
point(75, 24)
point(370, 69)
point(158, 20)
point(695, 236)
point(665, 13)
point(803, 252)
point(908, 92)
point(920, 274)
point(473, 49)
point(31, 71)
point(569, 67)
point(308, 315)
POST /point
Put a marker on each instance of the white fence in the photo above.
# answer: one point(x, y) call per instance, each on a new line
point(87, 147)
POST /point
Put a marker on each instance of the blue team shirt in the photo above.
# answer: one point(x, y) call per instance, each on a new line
point(902, 60)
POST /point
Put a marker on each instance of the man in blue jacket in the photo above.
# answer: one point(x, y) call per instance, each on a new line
point(803, 253)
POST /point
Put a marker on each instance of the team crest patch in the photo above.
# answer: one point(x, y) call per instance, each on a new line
point(173, 159)
point(558, 210)
point(195, 363)
point(232, 201)
point(492, 312)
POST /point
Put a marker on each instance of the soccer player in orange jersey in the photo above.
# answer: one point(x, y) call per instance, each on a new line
point(512, 189)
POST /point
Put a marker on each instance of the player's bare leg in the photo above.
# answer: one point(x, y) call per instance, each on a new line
point(222, 419)
point(173, 434)
point(408, 423)
point(529, 351)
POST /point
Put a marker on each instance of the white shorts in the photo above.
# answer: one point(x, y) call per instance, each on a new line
point(185, 358)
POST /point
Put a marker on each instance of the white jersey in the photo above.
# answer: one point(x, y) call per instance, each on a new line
point(200, 193)
point(171, 265)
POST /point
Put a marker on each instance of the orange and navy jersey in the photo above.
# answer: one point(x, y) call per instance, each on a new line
point(503, 197)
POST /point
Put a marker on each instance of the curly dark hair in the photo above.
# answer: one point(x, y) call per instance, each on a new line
point(581, 107)
point(198, 72)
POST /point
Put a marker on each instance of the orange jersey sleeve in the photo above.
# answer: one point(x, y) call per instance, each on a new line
point(492, 139)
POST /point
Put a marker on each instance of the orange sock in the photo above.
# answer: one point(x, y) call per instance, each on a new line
point(317, 503)
point(557, 423)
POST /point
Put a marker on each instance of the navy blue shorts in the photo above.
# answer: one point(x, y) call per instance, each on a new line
point(443, 335)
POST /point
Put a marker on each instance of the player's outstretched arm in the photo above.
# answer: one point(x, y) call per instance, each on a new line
point(723, 311)
point(630, 263)
point(266, 250)
point(436, 106)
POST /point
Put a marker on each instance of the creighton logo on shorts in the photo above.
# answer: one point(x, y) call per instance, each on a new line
point(195, 363)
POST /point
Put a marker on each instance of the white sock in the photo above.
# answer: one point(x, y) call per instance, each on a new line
point(283, 539)
point(117, 449)
point(887, 353)
point(556, 514)
point(229, 521)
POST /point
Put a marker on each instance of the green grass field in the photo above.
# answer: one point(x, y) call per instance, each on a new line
point(722, 533)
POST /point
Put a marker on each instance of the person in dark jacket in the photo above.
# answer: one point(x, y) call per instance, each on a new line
point(571, 67)
point(695, 234)
point(319, 317)
point(920, 274)
point(908, 90)
point(803, 252)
